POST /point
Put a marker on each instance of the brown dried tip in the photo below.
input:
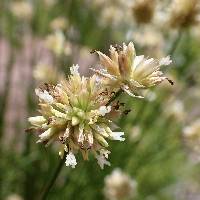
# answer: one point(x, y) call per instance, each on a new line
point(118, 105)
point(46, 86)
point(127, 111)
point(62, 139)
point(50, 120)
point(93, 51)
point(117, 47)
point(170, 81)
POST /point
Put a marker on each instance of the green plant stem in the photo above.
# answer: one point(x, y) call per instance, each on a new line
point(174, 45)
point(29, 180)
point(53, 179)
point(62, 161)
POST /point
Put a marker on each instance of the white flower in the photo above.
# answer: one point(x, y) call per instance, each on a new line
point(119, 185)
point(44, 95)
point(123, 69)
point(73, 116)
point(56, 42)
point(101, 158)
point(193, 130)
point(176, 109)
point(104, 153)
point(104, 110)
point(74, 70)
point(117, 136)
point(70, 160)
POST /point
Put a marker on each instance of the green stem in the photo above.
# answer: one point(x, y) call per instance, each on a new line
point(53, 179)
point(175, 43)
point(29, 180)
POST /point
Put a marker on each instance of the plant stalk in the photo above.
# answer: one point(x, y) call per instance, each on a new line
point(53, 178)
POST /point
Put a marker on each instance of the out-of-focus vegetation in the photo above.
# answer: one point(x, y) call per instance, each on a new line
point(41, 39)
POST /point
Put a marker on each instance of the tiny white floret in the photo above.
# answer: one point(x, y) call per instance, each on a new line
point(104, 110)
point(101, 160)
point(74, 70)
point(44, 95)
point(70, 160)
point(117, 136)
point(165, 61)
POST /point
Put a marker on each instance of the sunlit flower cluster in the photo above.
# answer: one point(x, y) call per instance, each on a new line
point(132, 73)
point(77, 112)
point(74, 113)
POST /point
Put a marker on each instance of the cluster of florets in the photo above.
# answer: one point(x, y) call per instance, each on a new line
point(143, 10)
point(77, 112)
point(184, 13)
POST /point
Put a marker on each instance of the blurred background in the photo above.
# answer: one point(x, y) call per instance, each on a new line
point(41, 39)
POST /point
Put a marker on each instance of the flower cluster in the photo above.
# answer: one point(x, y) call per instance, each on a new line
point(119, 185)
point(192, 136)
point(57, 43)
point(130, 72)
point(184, 13)
point(76, 113)
point(143, 10)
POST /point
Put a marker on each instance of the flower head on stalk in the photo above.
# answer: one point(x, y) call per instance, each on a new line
point(74, 113)
point(125, 70)
point(184, 13)
point(143, 10)
point(119, 185)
